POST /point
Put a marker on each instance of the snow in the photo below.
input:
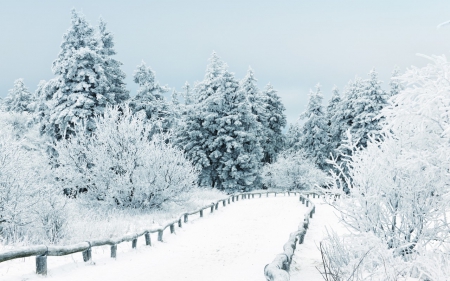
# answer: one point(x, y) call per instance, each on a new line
point(307, 255)
point(233, 243)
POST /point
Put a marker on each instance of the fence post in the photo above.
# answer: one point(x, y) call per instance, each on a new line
point(185, 218)
point(201, 213)
point(224, 203)
point(134, 243)
point(307, 203)
point(232, 198)
point(172, 228)
point(314, 195)
point(260, 195)
point(212, 208)
point(237, 198)
point(41, 264)
point(253, 195)
point(87, 255)
point(243, 196)
point(148, 239)
point(289, 194)
point(228, 201)
point(114, 251)
point(160, 234)
point(217, 206)
point(267, 194)
point(179, 223)
point(307, 195)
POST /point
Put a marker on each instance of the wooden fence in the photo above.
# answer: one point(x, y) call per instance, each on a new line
point(281, 263)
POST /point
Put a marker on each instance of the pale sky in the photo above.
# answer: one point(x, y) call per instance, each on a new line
point(292, 44)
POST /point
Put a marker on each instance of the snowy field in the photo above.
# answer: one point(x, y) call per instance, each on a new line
point(233, 243)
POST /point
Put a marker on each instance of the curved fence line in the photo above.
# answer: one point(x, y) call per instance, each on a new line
point(278, 269)
point(42, 251)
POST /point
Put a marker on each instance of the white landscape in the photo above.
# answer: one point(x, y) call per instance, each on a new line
point(108, 174)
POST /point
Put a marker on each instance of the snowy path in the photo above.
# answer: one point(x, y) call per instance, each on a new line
point(233, 243)
point(307, 256)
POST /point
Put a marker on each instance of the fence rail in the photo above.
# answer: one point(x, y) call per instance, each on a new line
point(42, 251)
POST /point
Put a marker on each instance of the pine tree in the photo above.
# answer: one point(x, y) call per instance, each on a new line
point(395, 83)
point(275, 122)
point(187, 94)
point(293, 136)
point(314, 139)
point(368, 107)
point(256, 101)
point(334, 132)
point(19, 99)
point(150, 101)
point(220, 132)
point(115, 87)
point(81, 83)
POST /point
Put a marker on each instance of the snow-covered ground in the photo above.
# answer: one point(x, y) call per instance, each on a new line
point(233, 243)
point(307, 255)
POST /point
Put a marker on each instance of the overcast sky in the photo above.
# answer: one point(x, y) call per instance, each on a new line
point(292, 44)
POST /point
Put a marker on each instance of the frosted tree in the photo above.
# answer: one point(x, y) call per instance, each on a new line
point(187, 94)
point(256, 101)
point(395, 84)
point(367, 109)
point(150, 101)
point(333, 114)
point(114, 87)
point(293, 135)
point(118, 166)
point(314, 138)
point(220, 132)
point(19, 99)
point(275, 122)
point(81, 82)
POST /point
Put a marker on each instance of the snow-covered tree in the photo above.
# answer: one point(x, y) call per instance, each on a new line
point(334, 131)
point(118, 166)
point(395, 83)
point(150, 101)
point(187, 94)
point(275, 122)
point(293, 171)
point(400, 185)
point(367, 108)
point(80, 84)
point(219, 132)
point(115, 85)
point(293, 135)
point(314, 137)
point(19, 99)
point(257, 106)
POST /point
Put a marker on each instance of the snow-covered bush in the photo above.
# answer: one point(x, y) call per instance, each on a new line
point(119, 166)
point(359, 257)
point(24, 186)
point(399, 184)
point(293, 171)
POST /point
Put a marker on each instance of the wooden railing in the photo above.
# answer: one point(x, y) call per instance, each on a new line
point(278, 269)
point(42, 251)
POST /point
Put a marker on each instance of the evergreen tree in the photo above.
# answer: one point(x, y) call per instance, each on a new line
point(368, 107)
point(275, 122)
point(19, 99)
point(395, 84)
point(80, 90)
point(334, 132)
point(293, 135)
point(115, 86)
point(187, 94)
point(314, 139)
point(150, 101)
point(257, 105)
point(219, 132)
